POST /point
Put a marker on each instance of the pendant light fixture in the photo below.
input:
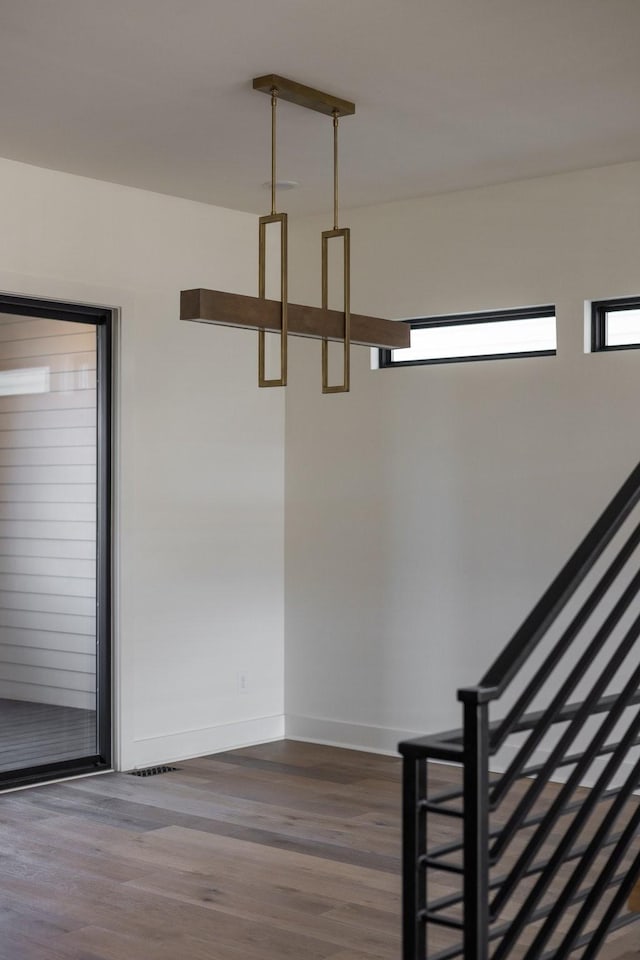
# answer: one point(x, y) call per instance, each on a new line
point(280, 316)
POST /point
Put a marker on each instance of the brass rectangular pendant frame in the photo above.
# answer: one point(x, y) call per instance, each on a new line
point(328, 235)
point(280, 218)
point(304, 96)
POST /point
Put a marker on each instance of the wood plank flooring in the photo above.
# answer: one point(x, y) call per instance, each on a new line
point(285, 851)
point(35, 733)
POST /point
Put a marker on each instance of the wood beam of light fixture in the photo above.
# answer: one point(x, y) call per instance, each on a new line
point(252, 313)
point(280, 316)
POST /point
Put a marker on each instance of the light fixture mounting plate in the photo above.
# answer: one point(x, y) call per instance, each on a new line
point(304, 96)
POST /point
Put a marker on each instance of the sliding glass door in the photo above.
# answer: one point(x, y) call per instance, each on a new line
point(55, 690)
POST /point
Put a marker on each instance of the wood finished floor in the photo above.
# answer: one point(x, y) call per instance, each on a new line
point(36, 733)
point(285, 851)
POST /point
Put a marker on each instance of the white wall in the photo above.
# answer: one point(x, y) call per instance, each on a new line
point(427, 510)
point(199, 454)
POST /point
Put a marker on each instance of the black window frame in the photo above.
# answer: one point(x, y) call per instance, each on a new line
point(599, 311)
point(104, 320)
point(521, 313)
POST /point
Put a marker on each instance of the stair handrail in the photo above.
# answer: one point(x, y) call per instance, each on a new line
point(525, 640)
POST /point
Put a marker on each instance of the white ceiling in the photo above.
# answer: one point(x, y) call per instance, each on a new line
point(449, 93)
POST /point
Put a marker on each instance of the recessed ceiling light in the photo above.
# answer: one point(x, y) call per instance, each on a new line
point(282, 184)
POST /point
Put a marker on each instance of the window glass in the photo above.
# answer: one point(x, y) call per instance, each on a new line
point(478, 336)
point(622, 327)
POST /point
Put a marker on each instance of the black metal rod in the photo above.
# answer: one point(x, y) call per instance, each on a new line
point(496, 932)
point(453, 899)
point(527, 637)
point(418, 748)
point(542, 912)
point(574, 757)
point(441, 811)
point(443, 921)
point(476, 831)
point(443, 865)
point(574, 829)
point(568, 712)
point(445, 795)
point(565, 897)
point(535, 685)
point(608, 923)
point(447, 848)
point(585, 661)
point(613, 862)
point(585, 939)
point(414, 790)
point(472, 747)
point(435, 748)
point(604, 679)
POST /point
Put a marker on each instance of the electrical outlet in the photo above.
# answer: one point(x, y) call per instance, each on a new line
point(243, 681)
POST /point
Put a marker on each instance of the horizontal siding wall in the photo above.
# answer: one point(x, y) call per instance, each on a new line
point(47, 511)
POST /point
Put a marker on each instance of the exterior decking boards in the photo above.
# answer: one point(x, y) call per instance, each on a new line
point(35, 733)
point(285, 851)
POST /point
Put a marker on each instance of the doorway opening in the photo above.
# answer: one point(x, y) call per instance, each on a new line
point(55, 540)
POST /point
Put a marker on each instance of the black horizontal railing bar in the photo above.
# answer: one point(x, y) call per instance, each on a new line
point(447, 848)
point(478, 797)
point(568, 712)
point(444, 865)
point(585, 661)
point(452, 922)
point(431, 916)
point(542, 912)
point(534, 627)
point(564, 844)
point(445, 795)
point(609, 921)
point(450, 953)
point(584, 864)
point(568, 736)
point(591, 902)
point(563, 644)
point(531, 720)
point(585, 939)
point(528, 722)
point(575, 757)
point(440, 810)
point(431, 748)
point(453, 898)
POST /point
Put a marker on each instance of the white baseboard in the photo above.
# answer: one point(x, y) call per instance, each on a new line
point(374, 739)
point(352, 736)
point(169, 748)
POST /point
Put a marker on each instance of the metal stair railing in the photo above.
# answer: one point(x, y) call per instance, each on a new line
point(538, 884)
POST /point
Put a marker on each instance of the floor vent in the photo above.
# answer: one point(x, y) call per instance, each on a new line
point(151, 771)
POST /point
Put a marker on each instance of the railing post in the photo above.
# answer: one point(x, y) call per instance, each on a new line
point(476, 824)
point(414, 791)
